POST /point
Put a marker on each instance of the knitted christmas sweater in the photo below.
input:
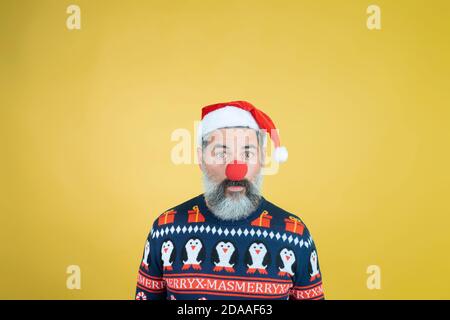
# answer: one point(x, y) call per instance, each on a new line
point(192, 254)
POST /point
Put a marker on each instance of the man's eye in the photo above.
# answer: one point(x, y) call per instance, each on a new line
point(248, 154)
point(221, 155)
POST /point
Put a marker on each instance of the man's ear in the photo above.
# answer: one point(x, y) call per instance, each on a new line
point(200, 157)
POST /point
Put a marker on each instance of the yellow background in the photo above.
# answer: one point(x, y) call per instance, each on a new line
point(86, 117)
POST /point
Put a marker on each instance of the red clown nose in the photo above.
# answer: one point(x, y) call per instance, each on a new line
point(236, 170)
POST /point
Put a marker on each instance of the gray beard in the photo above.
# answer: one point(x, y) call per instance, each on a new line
point(235, 207)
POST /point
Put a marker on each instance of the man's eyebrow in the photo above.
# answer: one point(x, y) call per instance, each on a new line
point(218, 145)
point(250, 146)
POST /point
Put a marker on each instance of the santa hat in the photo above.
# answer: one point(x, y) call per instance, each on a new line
point(239, 114)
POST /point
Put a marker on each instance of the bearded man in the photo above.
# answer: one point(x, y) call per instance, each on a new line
point(230, 242)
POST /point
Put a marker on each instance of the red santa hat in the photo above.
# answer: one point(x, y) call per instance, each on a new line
point(239, 114)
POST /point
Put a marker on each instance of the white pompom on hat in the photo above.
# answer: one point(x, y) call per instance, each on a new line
point(240, 114)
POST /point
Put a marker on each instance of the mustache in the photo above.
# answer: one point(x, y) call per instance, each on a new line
point(236, 183)
point(251, 192)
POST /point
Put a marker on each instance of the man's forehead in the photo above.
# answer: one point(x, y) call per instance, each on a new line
point(233, 135)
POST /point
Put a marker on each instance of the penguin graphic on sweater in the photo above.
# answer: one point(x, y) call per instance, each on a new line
point(145, 261)
point(286, 262)
point(313, 266)
point(193, 254)
point(257, 258)
point(224, 256)
point(167, 254)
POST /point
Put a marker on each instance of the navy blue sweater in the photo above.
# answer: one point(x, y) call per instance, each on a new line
point(191, 254)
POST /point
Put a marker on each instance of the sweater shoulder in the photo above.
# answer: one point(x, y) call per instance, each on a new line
point(177, 209)
point(280, 216)
point(280, 212)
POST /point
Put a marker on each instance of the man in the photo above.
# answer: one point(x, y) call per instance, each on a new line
point(230, 242)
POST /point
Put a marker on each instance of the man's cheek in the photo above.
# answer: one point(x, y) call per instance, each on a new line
point(252, 172)
point(217, 173)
